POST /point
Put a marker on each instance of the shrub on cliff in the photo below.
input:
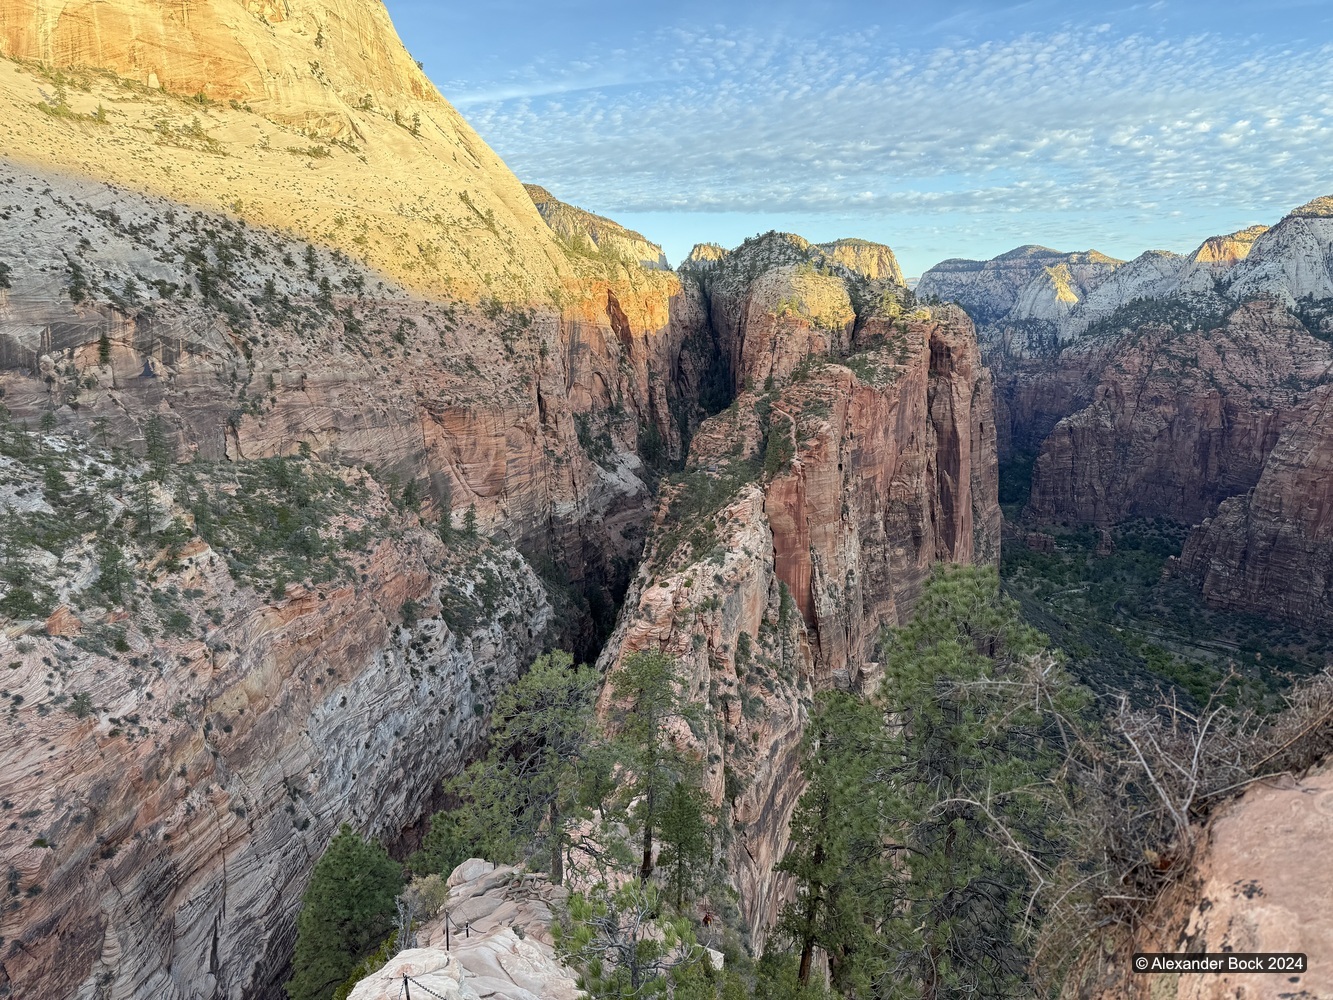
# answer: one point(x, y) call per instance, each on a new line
point(346, 912)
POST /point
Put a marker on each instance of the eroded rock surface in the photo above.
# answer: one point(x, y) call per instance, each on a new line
point(1261, 884)
point(858, 452)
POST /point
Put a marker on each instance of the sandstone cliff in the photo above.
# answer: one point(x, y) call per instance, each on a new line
point(1260, 885)
point(1163, 390)
point(188, 730)
point(304, 116)
point(276, 263)
point(1272, 546)
point(1030, 282)
point(873, 260)
point(858, 451)
point(1178, 421)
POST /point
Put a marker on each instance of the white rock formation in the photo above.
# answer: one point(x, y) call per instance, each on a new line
point(498, 948)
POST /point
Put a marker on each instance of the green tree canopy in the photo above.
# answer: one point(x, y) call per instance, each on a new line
point(346, 913)
point(647, 689)
point(979, 719)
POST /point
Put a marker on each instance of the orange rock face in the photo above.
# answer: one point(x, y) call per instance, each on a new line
point(782, 589)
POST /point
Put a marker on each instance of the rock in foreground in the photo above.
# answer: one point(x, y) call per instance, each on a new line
point(499, 947)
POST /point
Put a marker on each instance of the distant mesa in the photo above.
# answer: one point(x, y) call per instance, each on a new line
point(873, 260)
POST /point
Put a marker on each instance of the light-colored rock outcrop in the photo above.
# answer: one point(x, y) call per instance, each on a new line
point(1291, 261)
point(499, 947)
point(874, 260)
point(311, 118)
point(595, 235)
point(1030, 282)
point(1261, 884)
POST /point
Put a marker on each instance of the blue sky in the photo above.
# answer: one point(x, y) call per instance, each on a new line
point(944, 129)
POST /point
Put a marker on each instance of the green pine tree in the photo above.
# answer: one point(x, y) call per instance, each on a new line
point(687, 844)
point(834, 836)
point(522, 794)
point(647, 690)
point(972, 791)
point(346, 912)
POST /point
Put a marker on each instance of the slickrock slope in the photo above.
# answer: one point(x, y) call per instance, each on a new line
point(1262, 884)
point(506, 955)
point(185, 734)
point(594, 235)
point(1272, 547)
point(1178, 421)
point(303, 116)
point(859, 451)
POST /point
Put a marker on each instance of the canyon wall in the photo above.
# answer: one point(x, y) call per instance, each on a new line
point(1165, 389)
point(858, 451)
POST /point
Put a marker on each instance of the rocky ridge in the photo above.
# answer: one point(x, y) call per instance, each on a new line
point(505, 954)
point(1163, 393)
point(595, 235)
point(858, 452)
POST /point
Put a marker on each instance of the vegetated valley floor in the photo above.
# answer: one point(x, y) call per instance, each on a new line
point(1131, 621)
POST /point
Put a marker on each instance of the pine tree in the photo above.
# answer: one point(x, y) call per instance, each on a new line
point(346, 912)
point(834, 837)
point(647, 688)
point(687, 844)
point(523, 792)
point(969, 770)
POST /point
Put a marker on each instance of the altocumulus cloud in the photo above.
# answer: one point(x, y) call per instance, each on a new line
point(1086, 120)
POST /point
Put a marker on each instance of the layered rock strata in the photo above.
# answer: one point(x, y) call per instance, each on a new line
point(176, 760)
point(595, 235)
point(1272, 546)
point(500, 947)
point(1178, 421)
point(858, 452)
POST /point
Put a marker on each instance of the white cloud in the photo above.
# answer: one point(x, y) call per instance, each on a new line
point(1083, 121)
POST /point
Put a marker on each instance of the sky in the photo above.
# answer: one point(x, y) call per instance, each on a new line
point(946, 128)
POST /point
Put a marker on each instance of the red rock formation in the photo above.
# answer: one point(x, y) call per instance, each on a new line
point(164, 804)
point(1271, 548)
point(782, 588)
point(1178, 422)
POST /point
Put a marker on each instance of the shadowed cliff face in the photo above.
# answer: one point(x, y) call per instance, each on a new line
point(173, 865)
point(807, 518)
point(1164, 391)
point(1177, 422)
point(1272, 546)
point(175, 761)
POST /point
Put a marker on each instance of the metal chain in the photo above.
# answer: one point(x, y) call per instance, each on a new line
point(415, 982)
